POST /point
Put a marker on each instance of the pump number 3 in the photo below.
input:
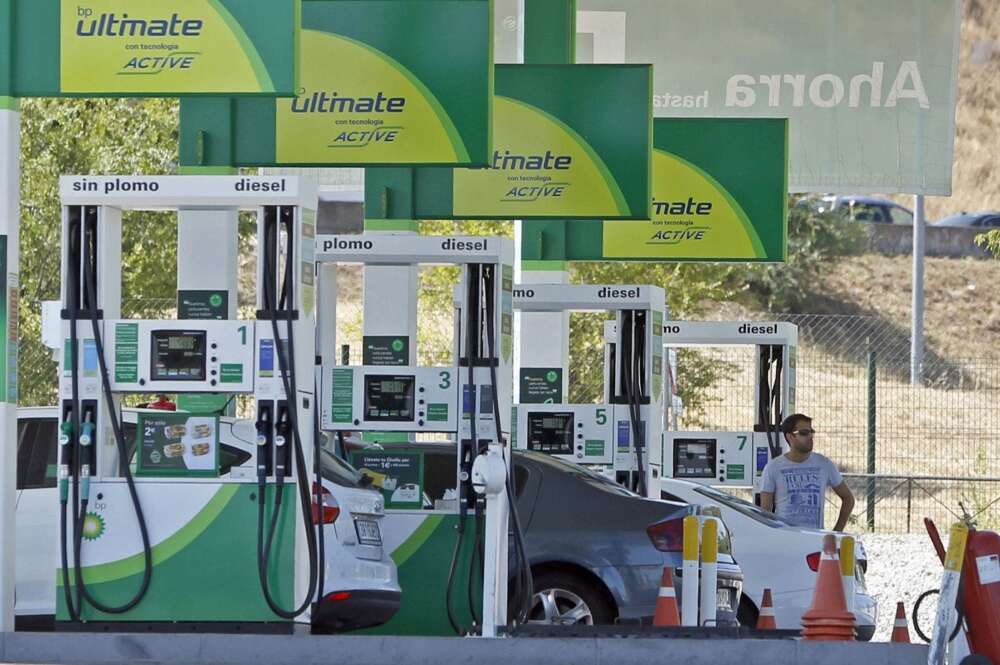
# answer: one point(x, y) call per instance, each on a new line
point(445, 380)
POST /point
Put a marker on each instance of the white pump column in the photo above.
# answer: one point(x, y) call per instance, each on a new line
point(207, 250)
point(10, 215)
point(541, 342)
point(207, 284)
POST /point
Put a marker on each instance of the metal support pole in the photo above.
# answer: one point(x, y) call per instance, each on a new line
point(872, 423)
point(917, 324)
point(909, 503)
point(10, 216)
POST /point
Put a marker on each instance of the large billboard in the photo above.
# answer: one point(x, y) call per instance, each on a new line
point(719, 194)
point(869, 87)
point(374, 91)
point(150, 47)
point(569, 141)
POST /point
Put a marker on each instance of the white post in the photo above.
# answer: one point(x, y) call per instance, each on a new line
point(917, 324)
point(489, 475)
point(944, 622)
point(709, 571)
point(847, 564)
point(689, 573)
point(10, 216)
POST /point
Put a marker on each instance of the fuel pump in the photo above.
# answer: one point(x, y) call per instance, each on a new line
point(737, 458)
point(154, 529)
point(622, 434)
point(467, 402)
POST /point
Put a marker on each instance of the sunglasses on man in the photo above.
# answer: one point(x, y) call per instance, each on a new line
point(804, 432)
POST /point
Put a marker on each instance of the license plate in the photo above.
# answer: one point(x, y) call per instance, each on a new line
point(368, 532)
point(724, 598)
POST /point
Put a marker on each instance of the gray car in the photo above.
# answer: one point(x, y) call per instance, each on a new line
point(869, 209)
point(972, 220)
point(597, 551)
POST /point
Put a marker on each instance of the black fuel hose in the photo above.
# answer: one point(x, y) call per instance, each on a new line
point(290, 384)
point(73, 607)
point(463, 501)
point(524, 581)
point(90, 282)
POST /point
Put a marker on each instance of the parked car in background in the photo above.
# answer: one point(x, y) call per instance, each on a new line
point(862, 209)
point(361, 587)
point(596, 550)
point(777, 556)
point(972, 220)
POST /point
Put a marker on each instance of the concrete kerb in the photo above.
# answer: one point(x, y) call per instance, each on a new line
point(118, 649)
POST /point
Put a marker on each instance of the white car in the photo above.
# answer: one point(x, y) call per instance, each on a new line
point(361, 586)
point(777, 556)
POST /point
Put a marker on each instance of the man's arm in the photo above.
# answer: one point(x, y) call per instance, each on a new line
point(767, 501)
point(846, 505)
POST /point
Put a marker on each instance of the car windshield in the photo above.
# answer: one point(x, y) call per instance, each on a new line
point(592, 478)
point(739, 505)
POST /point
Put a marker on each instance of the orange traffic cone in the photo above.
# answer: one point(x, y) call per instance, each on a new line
point(765, 620)
point(828, 618)
point(667, 613)
point(900, 631)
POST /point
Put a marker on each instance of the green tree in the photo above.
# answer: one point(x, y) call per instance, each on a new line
point(88, 137)
point(990, 241)
point(815, 242)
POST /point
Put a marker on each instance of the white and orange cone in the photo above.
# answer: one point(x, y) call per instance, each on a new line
point(828, 618)
point(900, 631)
point(765, 620)
point(667, 613)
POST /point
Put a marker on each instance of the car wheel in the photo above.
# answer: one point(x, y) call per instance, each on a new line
point(747, 613)
point(562, 599)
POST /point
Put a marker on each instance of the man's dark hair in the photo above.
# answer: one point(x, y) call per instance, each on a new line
point(791, 423)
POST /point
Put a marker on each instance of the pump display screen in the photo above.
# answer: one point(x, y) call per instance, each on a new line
point(551, 433)
point(178, 355)
point(389, 397)
point(695, 458)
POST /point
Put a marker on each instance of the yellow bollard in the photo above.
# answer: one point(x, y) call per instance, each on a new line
point(709, 571)
point(689, 579)
point(847, 564)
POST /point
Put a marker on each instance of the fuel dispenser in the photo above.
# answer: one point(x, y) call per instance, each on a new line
point(737, 458)
point(159, 531)
point(467, 402)
point(622, 434)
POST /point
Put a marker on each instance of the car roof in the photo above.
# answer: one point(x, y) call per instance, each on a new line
point(871, 200)
point(963, 218)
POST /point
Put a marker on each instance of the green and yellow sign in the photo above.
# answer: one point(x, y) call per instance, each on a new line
point(719, 194)
point(383, 82)
point(154, 48)
point(569, 141)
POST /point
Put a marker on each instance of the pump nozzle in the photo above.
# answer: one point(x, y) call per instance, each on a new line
point(86, 452)
point(65, 436)
point(282, 429)
point(264, 432)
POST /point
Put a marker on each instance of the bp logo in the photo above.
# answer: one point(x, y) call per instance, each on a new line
point(551, 376)
point(397, 345)
point(93, 526)
point(215, 300)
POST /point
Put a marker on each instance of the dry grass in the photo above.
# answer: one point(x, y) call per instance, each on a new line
point(961, 308)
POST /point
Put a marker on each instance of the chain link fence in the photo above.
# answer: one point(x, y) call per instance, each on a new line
point(907, 451)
